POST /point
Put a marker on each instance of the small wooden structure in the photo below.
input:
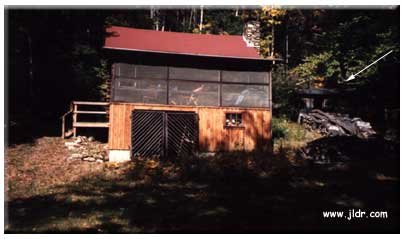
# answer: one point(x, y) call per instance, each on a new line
point(316, 97)
point(175, 93)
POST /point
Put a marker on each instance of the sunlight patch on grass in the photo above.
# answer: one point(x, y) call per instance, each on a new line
point(218, 211)
point(382, 177)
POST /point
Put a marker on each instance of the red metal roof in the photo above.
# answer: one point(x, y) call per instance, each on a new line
point(232, 46)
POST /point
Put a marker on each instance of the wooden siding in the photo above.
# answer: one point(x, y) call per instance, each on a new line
point(213, 135)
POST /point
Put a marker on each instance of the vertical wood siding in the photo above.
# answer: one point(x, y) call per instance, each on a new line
point(213, 136)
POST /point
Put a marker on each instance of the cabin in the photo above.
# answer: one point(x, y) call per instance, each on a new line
point(173, 94)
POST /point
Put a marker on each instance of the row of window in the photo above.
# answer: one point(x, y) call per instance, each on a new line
point(194, 91)
point(193, 74)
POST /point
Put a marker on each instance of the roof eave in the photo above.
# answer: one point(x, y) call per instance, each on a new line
point(190, 54)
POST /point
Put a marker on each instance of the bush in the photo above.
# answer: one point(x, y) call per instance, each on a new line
point(279, 130)
point(288, 131)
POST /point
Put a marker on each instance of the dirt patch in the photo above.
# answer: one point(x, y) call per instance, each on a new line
point(36, 168)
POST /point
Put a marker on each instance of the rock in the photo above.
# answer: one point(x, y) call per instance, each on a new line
point(89, 159)
point(70, 158)
point(87, 149)
point(98, 156)
point(70, 144)
point(207, 154)
point(77, 155)
point(71, 148)
point(99, 161)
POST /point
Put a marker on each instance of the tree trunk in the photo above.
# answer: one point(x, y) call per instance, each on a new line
point(191, 18)
point(163, 23)
point(273, 41)
point(31, 66)
point(201, 20)
point(156, 20)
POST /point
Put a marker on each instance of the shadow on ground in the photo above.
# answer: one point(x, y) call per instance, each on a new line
point(233, 193)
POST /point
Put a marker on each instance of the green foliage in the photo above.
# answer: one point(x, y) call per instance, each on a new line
point(218, 21)
point(269, 18)
point(287, 136)
point(103, 74)
point(286, 102)
point(353, 40)
point(284, 129)
point(317, 68)
point(278, 129)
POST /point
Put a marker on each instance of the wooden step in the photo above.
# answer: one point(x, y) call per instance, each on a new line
point(90, 112)
point(91, 124)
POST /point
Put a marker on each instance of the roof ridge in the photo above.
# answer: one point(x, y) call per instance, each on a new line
point(173, 32)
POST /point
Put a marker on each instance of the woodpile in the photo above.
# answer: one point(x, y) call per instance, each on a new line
point(335, 124)
point(344, 149)
point(87, 149)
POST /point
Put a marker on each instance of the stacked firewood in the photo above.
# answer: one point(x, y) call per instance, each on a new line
point(335, 124)
point(347, 148)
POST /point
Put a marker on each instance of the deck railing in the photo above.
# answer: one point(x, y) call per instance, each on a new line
point(75, 111)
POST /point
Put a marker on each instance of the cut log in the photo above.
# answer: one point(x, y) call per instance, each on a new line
point(334, 124)
point(348, 127)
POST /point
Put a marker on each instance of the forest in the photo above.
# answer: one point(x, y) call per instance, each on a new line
point(343, 157)
point(55, 55)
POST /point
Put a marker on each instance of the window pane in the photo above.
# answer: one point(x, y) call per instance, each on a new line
point(156, 72)
point(125, 70)
point(193, 93)
point(233, 119)
point(180, 73)
point(140, 90)
point(245, 95)
point(141, 71)
point(246, 77)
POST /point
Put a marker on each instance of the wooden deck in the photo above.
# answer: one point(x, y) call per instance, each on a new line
point(74, 110)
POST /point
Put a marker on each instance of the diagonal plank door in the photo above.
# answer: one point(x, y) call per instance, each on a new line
point(147, 134)
point(182, 130)
point(158, 134)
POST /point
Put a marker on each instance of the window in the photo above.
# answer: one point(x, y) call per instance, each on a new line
point(193, 93)
point(182, 73)
point(140, 90)
point(245, 77)
point(245, 95)
point(151, 72)
point(190, 86)
point(125, 70)
point(233, 120)
point(141, 71)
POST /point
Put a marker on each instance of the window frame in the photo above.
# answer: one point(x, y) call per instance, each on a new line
point(231, 113)
point(167, 79)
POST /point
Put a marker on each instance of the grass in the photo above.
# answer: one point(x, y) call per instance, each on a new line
point(288, 136)
point(235, 192)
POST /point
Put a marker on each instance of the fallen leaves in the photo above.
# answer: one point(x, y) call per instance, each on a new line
point(151, 164)
point(33, 169)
